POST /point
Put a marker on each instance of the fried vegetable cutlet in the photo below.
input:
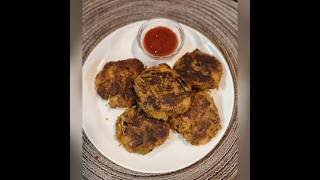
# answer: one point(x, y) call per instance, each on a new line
point(201, 123)
point(202, 71)
point(115, 82)
point(139, 133)
point(162, 93)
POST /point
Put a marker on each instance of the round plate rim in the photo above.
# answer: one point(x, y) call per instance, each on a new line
point(232, 117)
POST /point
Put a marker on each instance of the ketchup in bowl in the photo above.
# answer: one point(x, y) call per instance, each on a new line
point(160, 41)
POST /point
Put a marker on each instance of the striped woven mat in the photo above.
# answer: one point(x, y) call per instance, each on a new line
point(217, 20)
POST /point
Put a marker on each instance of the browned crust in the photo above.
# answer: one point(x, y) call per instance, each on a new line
point(200, 70)
point(161, 92)
point(115, 82)
point(221, 28)
point(139, 133)
point(201, 123)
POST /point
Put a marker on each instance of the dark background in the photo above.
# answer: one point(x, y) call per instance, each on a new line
point(35, 73)
point(283, 120)
point(35, 85)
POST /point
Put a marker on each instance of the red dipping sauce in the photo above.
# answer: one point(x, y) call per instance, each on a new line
point(160, 41)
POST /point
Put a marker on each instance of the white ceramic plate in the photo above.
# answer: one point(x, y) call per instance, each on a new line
point(99, 119)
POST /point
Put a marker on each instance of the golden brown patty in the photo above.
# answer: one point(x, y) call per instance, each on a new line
point(200, 70)
point(201, 123)
point(161, 92)
point(140, 133)
point(115, 82)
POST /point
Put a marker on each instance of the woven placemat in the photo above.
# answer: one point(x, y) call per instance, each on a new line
point(217, 20)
